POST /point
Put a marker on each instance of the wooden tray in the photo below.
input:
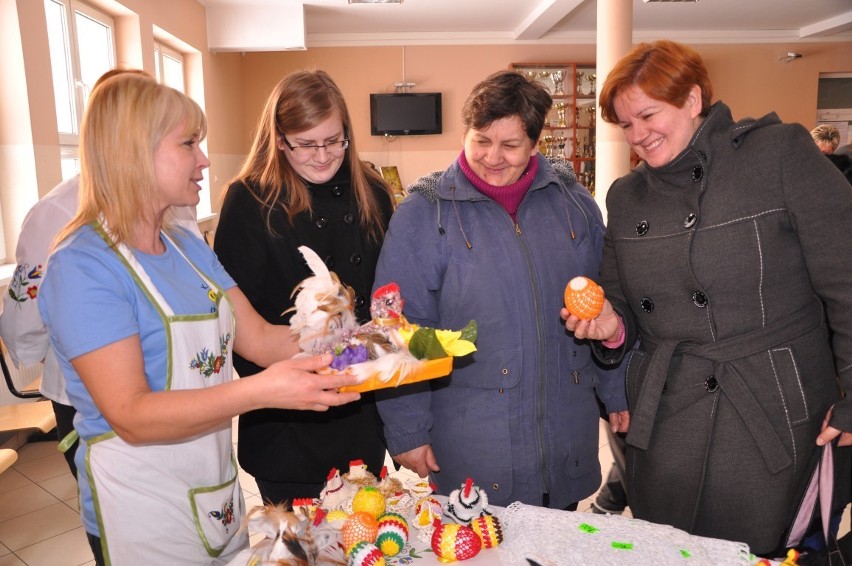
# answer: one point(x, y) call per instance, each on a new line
point(431, 369)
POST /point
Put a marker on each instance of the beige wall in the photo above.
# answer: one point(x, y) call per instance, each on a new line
point(749, 77)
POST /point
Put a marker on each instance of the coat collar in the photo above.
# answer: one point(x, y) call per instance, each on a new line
point(453, 185)
point(717, 128)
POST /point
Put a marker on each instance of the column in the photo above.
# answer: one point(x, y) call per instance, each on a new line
point(614, 40)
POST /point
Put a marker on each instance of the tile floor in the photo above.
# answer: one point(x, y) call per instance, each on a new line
point(40, 520)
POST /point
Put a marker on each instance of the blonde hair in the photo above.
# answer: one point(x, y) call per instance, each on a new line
point(301, 101)
point(826, 134)
point(127, 117)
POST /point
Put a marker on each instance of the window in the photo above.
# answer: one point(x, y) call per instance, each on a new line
point(82, 48)
point(169, 67)
point(171, 71)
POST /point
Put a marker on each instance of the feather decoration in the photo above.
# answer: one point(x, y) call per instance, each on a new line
point(323, 309)
point(291, 540)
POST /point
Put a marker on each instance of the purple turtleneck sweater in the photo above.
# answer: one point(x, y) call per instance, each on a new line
point(509, 196)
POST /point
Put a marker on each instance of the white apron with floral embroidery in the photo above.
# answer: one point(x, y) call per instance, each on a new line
point(179, 502)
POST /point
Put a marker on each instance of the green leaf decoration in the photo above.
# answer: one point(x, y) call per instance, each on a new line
point(424, 345)
point(470, 332)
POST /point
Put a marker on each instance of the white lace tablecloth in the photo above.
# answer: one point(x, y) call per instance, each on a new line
point(551, 537)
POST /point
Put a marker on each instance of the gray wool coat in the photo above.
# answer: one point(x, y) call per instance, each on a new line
point(732, 262)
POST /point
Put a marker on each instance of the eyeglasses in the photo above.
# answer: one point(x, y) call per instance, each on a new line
point(334, 148)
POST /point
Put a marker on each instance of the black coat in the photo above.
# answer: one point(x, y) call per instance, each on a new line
point(728, 260)
point(301, 446)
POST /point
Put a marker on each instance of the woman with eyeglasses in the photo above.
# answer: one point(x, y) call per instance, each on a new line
point(303, 184)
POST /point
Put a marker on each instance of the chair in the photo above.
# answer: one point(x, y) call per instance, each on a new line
point(29, 392)
point(24, 416)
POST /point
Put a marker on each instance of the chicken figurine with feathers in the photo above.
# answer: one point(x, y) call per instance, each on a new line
point(325, 322)
point(324, 309)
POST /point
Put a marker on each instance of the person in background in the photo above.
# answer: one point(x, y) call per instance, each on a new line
point(303, 184)
point(21, 327)
point(740, 299)
point(496, 240)
point(143, 320)
point(843, 162)
point(827, 138)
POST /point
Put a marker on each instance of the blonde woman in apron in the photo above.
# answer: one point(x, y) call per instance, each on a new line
point(144, 321)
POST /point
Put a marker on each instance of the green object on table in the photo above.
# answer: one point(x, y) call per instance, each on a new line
point(622, 545)
point(587, 528)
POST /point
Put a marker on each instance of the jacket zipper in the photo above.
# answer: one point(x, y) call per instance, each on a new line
point(541, 356)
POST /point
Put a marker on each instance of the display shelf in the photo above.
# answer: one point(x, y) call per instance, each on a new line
point(569, 132)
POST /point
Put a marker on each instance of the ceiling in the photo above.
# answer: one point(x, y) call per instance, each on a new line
point(336, 22)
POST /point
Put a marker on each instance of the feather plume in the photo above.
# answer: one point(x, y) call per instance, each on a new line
point(398, 364)
point(323, 308)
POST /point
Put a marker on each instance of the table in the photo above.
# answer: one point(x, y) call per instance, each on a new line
point(563, 538)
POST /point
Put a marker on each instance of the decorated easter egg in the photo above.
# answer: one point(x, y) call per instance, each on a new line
point(489, 530)
point(336, 515)
point(359, 527)
point(455, 542)
point(584, 298)
point(365, 554)
point(369, 500)
point(426, 510)
point(392, 534)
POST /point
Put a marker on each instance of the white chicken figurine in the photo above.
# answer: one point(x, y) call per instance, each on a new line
point(324, 308)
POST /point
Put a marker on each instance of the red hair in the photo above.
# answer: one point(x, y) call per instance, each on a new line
point(664, 70)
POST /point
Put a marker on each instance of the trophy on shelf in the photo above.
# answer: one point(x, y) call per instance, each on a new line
point(545, 76)
point(560, 144)
point(530, 75)
point(592, 78)
point(548, 146)
point(560, 115)
point(558, 78)
point(580, 75)
point(592, 111)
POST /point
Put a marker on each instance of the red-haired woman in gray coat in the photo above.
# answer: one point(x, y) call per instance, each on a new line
point(727, 254)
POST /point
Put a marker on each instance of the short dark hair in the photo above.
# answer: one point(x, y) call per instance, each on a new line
point(664, 70)
point(504, 94)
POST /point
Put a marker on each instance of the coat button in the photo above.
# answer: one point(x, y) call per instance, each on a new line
point(647, 304)
point(321, 222)
point(359, 301)
point(495, 486)
point(348, 218)
point(505, 371)
point(690, 220)
point(697, 173)
point(355, 259)
point(700, 299)
point(711, 384)
point(642, 228)
point(337, 191)
point(665, 386)
point(329, 262)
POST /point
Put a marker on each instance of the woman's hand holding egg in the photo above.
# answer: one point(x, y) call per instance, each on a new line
point(588, 314)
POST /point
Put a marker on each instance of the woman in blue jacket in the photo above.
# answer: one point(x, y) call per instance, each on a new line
point(496, 239)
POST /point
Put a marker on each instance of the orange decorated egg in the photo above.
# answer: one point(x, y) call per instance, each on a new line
point(359, 527)
point(455, 542)
point(369, 500)
point(584, 298)
point(489, 530)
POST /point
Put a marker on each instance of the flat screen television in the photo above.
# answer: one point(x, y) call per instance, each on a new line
point(405, 114)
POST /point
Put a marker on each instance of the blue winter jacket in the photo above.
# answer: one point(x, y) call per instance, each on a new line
point(519, 415)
